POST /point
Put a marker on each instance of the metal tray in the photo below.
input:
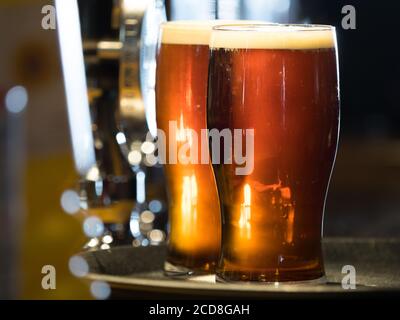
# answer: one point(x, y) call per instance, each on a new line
point(137, 273)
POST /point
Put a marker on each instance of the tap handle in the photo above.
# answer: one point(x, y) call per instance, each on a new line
point(131, 106)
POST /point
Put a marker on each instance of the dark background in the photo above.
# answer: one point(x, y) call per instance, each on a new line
point(369, 64)
point(364, 197)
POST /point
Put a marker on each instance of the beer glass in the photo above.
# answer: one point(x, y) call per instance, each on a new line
point(277, 85)
point(181, 94)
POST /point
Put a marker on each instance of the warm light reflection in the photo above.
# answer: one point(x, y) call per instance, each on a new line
point(184, 134)
point(189, 203)
point(180, 132)
point(245, 213)
point(247, 195)
point(290, 222)
point(194, 212)
point(286, 198)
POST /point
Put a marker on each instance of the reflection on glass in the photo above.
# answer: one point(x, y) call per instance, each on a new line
point(245, 213)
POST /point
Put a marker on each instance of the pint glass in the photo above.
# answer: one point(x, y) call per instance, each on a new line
point(279, 85)
point(181, 97)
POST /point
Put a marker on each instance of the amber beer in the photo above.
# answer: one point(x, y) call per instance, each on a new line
point(181, 91)
point(281, 81)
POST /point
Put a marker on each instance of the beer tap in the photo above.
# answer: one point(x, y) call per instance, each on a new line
point(119, 50)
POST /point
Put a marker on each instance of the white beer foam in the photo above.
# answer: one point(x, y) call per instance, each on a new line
point(292, 37)
point(194, 32)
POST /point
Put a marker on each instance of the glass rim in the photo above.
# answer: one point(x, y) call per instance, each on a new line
point(263, 27)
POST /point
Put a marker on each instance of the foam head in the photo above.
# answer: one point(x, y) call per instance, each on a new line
point(256, 36)
point(194, 32)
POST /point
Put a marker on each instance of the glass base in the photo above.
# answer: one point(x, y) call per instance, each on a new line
point(313, 273)
point(180, 272)
point(322, 280)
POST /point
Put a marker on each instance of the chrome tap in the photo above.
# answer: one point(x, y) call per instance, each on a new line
point(119, 45)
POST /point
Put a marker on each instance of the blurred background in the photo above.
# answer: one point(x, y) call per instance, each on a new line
point(40, 181)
